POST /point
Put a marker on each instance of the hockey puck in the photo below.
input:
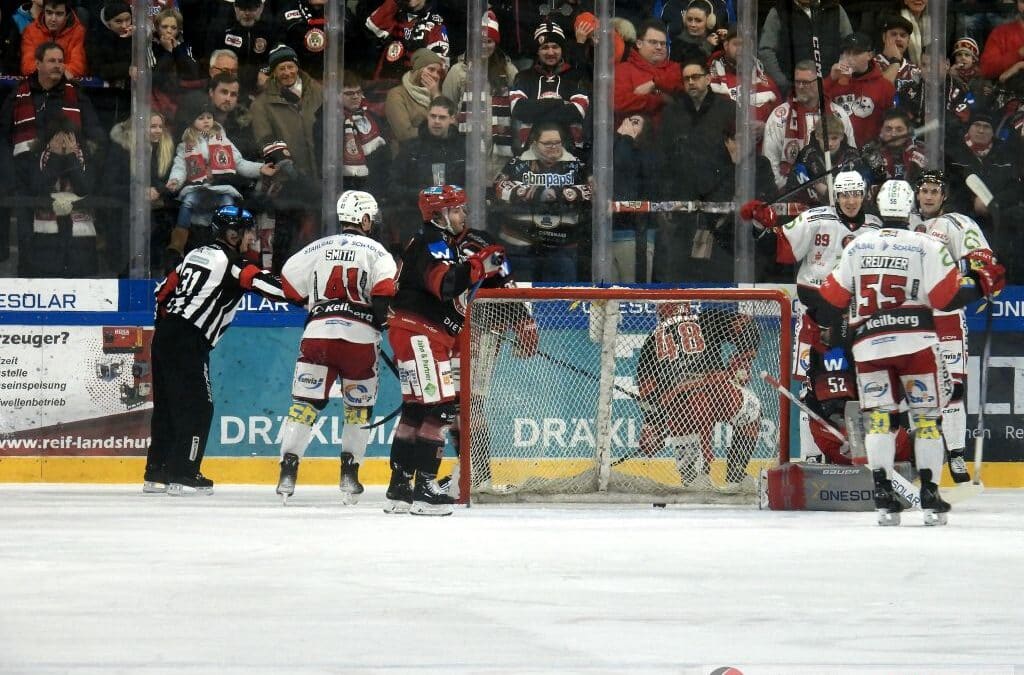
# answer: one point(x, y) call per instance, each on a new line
point(658, 506)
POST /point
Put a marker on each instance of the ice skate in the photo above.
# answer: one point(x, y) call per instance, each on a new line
point(289, 473)
point(887, 506)
point(450, 484)
point(190, 485)
point(933, 505)
point(154, 481)
point(429, 499)
point(958, 466)
point(349, 483)
point(399, 494)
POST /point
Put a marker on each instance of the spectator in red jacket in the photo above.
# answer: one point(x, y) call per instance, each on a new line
point(1003, 56)
point(645, 82)
point(856, 83)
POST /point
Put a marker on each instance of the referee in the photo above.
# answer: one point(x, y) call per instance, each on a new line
point(195, 304)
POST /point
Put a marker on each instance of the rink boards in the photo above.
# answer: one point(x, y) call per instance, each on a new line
point(75, 389)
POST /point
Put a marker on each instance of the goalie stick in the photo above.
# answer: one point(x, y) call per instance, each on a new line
point(900, 485)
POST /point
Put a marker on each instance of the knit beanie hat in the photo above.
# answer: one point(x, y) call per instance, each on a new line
point(423, 57)
point(966, 44)
point(280, 54)
point(549, 31)
point(491, 28)
point(112, 9)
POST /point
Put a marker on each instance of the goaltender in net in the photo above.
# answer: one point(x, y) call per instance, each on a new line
point(691, 373)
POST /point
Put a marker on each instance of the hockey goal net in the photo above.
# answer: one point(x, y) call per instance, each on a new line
point(622, 395)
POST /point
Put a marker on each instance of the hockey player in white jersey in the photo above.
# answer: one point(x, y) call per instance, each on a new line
point(969, 247)
point(346, 281)
point(895, 279)
point(815, 239)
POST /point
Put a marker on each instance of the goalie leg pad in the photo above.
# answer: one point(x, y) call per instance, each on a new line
point(954, 425)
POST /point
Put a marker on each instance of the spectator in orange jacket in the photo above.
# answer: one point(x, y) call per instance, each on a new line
point(58, 23)
point(1003, 56)
point(646, 81)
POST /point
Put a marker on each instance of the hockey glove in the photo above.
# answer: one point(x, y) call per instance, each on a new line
point(486, 262)
point(762, 214)
point(991, 275)
point(527, 338)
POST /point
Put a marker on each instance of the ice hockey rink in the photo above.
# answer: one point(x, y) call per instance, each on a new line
point(103, 579)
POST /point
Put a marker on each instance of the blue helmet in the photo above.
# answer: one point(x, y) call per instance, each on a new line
point(232, 218)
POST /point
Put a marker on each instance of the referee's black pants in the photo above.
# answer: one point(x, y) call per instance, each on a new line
point(182, 398)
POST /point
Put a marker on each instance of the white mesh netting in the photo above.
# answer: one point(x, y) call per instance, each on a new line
point(630, 395)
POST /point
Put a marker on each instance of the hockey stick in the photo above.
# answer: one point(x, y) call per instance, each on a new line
point(574, 368)
point(981, 191)
point(900, 485)
point(394, 413)
point(823, 112)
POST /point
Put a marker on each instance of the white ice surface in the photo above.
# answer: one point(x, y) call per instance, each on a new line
point(97, 579)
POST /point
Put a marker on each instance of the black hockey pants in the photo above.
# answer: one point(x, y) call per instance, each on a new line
point(182, 398)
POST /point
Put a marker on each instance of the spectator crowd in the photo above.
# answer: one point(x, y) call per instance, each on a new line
point(238, 117)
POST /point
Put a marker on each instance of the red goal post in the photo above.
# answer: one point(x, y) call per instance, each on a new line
point(622, 394)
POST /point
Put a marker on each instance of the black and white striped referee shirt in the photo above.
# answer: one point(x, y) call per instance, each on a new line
point(206, 287)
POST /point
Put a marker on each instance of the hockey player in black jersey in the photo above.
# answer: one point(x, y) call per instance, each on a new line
point(195, 304)
point(428, 310)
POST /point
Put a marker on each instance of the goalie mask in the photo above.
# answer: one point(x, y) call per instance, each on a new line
point(895, 201)
point(352, 206)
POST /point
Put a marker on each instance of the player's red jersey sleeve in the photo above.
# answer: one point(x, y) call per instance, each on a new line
point(834, 293)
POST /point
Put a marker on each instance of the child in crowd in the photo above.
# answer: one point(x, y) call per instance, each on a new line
point(208, 170)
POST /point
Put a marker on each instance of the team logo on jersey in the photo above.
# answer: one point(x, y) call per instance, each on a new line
point(847, 239)
point(315, 40)
point(233, 41)
point(394, 51)
point(259, 45)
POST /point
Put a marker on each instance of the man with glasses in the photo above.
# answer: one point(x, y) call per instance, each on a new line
point(790, 125)
point(692, 161)
point(547, 190)
point(647, 80)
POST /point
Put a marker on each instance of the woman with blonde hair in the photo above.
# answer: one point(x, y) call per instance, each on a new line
point(170, 58)
point(164, 207)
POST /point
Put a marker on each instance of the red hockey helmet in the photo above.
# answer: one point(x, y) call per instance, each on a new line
point(436, 198)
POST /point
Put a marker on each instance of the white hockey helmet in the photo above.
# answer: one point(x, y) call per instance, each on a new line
point(848, 181)
point(895, 200)
point(354, 204)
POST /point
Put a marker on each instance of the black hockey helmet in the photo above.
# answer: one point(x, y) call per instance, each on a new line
point(935, 176)
point(231, 218)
